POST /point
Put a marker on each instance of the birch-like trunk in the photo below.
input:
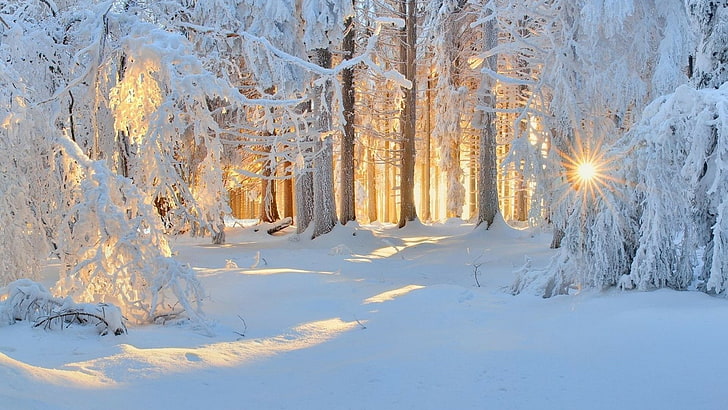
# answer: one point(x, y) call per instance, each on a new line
point(488, 174)
point(324, 205)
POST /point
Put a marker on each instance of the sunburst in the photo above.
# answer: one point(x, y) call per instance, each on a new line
point(588, 172)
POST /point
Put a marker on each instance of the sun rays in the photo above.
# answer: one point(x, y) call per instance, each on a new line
point(590, 174)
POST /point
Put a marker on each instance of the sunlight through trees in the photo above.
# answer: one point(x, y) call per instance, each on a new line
point(127, 122)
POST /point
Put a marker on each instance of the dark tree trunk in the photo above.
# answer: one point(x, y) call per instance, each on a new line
point(408, 118)
point(288, 193)
point(346, 190)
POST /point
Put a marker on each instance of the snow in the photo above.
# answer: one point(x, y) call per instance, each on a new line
point(373, 317)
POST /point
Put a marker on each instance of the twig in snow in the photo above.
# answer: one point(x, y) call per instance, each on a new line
point(245, 327)
point(475, 273)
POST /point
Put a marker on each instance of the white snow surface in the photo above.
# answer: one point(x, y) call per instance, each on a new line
point(373, 317)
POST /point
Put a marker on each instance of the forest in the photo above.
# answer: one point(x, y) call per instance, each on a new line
point(363, 204)
point(126, 123)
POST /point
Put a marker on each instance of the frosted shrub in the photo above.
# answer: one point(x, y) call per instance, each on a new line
point(25, 300)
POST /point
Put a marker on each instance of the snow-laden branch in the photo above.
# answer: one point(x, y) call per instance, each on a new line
point(364, 58)
point(507, 79)
point(94, 49)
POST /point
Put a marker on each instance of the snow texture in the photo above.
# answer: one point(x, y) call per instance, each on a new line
point(397, 323)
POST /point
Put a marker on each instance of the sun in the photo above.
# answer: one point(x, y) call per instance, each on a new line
point(588, 177)
point(586, 171)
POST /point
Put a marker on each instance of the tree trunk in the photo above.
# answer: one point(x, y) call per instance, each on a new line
point(427, 160)
point(371, 182)
point(408, 118)
point(218, 235)
point(711, 61)
point(304, 191)
point(346, 191)
point(388, 178)
point(487, 156)
point(287, 193)
point(268, 203)
point(324, 215)
point(472, 179)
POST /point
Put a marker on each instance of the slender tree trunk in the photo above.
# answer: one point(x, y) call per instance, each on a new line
point(324, 215)
point(408, 118)
point(268, 203)
point(387, 192)
point(124, 158)
point(288, 193)
point(487, 156)
point(304, 190)
point(371, 182)
point(453, 187)
point(346, 190)
point(472, 179)
point(437, 188)
point(427, 155)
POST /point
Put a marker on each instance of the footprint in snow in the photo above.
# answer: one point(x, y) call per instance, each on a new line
point(193, 357)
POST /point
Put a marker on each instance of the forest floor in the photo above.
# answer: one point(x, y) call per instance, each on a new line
point(373, 317)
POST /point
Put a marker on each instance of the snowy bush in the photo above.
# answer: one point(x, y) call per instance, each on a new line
point(113, 249)
point(25, 300)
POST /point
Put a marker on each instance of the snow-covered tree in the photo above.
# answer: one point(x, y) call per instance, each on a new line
point(587, 98)
point(324, 27)
point(447, 24)
point(677, 161)
point(23, 237)
point(103, 227)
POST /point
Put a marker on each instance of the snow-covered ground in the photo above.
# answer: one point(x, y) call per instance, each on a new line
point(380, 318)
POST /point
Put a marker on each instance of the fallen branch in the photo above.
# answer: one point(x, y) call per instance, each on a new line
point(82, 317)
point(281, 225)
